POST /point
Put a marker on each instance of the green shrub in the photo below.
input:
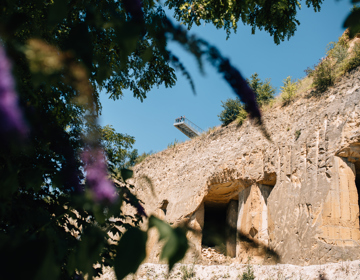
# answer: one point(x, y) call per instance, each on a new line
point(323, 76)
point(288, 91)
point(337, 63)
point(263, 89)
point(187, 273)
point(248, 273)
point(309, 71)
point(337, 50)
point(232, 108)
point(354, 60)
point(242, 115)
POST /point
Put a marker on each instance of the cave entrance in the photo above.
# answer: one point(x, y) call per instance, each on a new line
point(357, 185)
point(219, 231)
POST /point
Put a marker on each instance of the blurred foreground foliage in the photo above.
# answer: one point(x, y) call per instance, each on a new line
point(59, 215)
point(64, 185)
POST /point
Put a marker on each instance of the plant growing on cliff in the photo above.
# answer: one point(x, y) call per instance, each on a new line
point(187, 272)
point(232, 108)
point(173, 144)
point(263, 89)
point(235, 110)
point(353, 60)
point(288, 91)
point(338, 62)
point(241, 117)
point(323, 75)
point(248, 274)
point(338, 50)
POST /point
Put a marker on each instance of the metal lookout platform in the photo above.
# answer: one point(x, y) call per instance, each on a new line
point(187, 127)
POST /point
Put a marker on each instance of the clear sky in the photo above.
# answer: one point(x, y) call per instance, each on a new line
point(151, 122)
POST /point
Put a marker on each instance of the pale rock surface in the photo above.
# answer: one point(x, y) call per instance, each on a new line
point(296, 195)
point(348, 270)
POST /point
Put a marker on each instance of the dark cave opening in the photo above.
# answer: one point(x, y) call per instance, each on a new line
point(357, 182)
point(214, 231)
point(219, 231)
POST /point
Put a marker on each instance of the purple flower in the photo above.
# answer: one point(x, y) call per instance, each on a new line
point(11, 118)
point(96, 176)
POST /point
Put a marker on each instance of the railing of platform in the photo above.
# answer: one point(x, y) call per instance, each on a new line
point(189, 123)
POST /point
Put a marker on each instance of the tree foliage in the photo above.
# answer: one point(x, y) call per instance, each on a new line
point(277, 17)
point(288, 91)
point(56, 200)
point(117, 148)
point(263, 89)
point(232, 108)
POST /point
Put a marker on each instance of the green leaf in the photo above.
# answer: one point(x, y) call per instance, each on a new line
point(175, 248)
point(99, 213)
point(176, 245)
point(163, 228)
point(88, 250)
point(130, 252)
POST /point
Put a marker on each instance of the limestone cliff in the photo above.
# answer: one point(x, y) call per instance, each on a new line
point(297, 195)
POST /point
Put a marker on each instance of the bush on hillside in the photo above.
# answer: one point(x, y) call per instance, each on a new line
point(323, 76)
point(338, 50)
point(309, 71)
point(354, 60)
point(288, 91)
point(232, 108)
point(263, 89)
point(336, 64)
point(242, 115)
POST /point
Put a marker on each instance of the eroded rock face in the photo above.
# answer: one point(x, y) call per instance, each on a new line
point(297, 195)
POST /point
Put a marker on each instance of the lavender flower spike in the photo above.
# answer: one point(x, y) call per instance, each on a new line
point(96, 176)
point(11, 118)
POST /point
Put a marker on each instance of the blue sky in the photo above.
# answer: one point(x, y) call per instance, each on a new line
point(151, 122)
